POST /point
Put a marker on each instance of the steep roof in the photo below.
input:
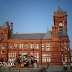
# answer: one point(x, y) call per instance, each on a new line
point(47, 35)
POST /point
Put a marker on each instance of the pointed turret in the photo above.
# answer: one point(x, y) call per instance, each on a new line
point(60, 12)
point(6, 24)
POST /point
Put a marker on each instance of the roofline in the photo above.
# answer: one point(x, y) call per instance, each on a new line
point(33, 33)
point(31, 39)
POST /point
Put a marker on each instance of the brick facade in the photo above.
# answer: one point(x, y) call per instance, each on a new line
point(52, 47)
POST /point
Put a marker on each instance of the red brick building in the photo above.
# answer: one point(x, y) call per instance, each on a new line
point(50, 47)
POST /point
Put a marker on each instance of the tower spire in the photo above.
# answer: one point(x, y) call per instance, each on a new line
point(59, 6)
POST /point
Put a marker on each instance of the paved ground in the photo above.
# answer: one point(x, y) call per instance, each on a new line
point(15, 69)
point(40, 69)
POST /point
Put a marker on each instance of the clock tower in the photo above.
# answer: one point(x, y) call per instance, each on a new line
point(60, 22)
point(61, 49)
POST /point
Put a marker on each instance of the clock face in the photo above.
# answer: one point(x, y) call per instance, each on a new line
point(1, 36)
point(60, 24)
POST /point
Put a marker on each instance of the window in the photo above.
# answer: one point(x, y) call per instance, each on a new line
point(21, 46)
point(48, 46)
point(37, 46)
point(62, 49)
point(26, 46)
point(2, 52)
point(2, 46)
point(9, 60)
point(46, 58)
point(62, 58)
point(42, 46)
point(43, 59)
point(68, 47)
point(31, 46)
point(14, 54)
point(32, 53)
point(11, 56)
point(65, 46)
point(61, 44)
point(15, 45)
point(36, 55)
point(10, 46)
point(65, 58)
point(23, 53)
